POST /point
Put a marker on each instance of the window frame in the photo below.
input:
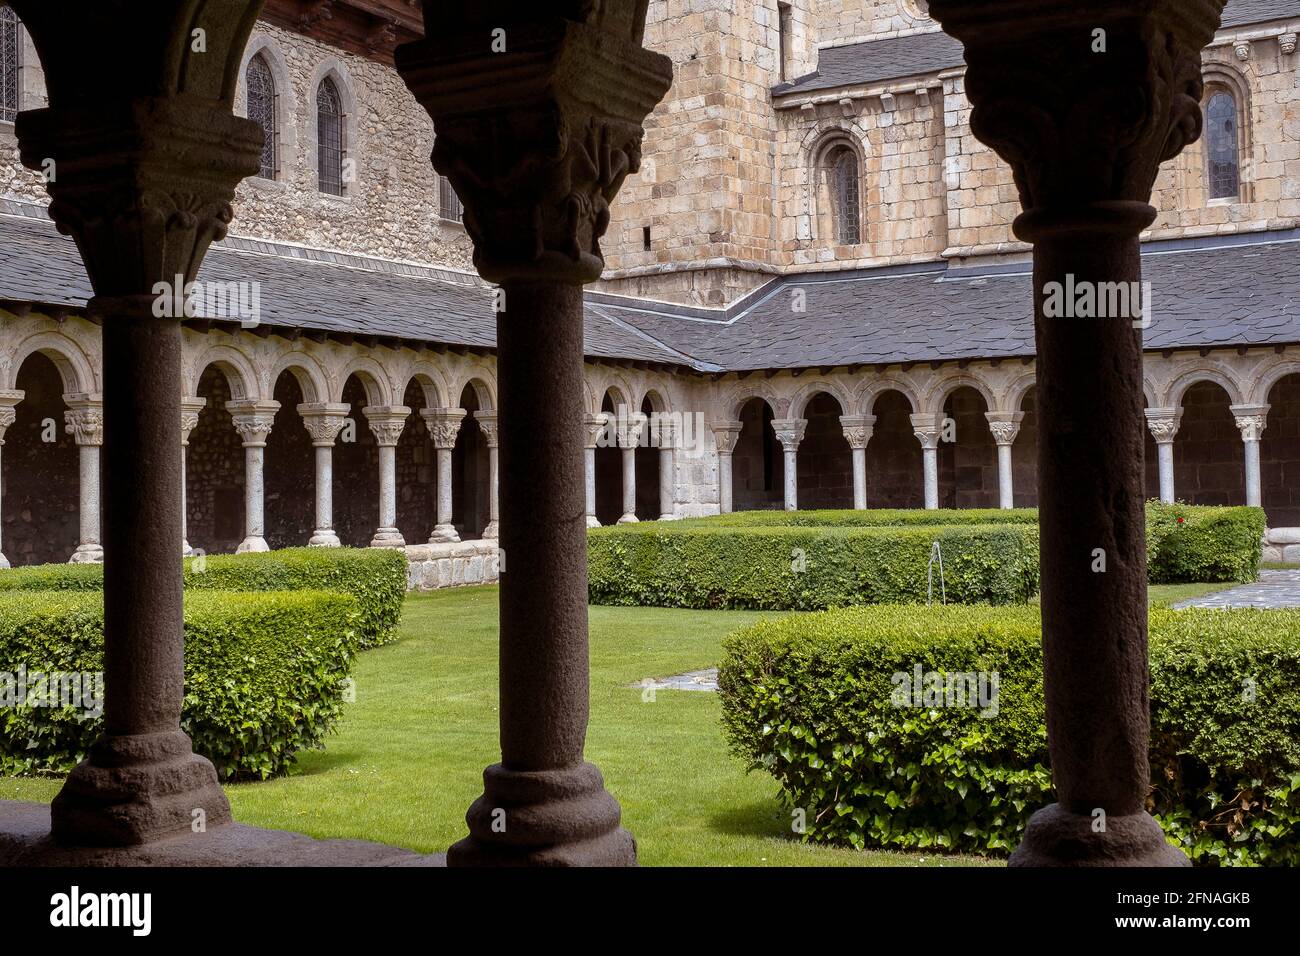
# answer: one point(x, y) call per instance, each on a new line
point(328, 82)
point(11, 71)
point(271, 123)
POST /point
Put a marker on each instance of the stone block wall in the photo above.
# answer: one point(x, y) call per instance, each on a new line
point(434, 566)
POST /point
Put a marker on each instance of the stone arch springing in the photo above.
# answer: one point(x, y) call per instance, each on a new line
point(306, 372)
point(289, 475)
point(825, 463)
point(232, 364)
point(894, 461)
point(469, 463)
point(936, 398)
point(757, 463)
point(1175, 393)
point(431, 385)
point(371, 379)
point(41, 467)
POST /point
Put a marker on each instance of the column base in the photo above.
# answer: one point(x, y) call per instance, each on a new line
point(388, 538)
point(87, 554)
point(186, 550)
point(444, 534)
point(592, 522)
point(629, 519)
point(544, 818)
point(1056, 837)
point(4, 562)
point(324, 538)
point(254, 544)
point(493, 530)
point(137, 789)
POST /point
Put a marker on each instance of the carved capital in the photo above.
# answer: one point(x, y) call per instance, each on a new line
point(858, 429)
point(1251, 420)
point(537, 139)
point(488, 424)
point(324, 421)
point(84, 419)
point(190, 409)
point(1286, 43)
point(9, 397)
point(725, 435)
point(386, 422)
point(143, 188)
point(595, 428)
point(443, 425)
point(928, 429)
point(252, 420)
point(1084, 100)
point(1004, 426)
point(630, 429)
point(1163, 423)
point(789, 431)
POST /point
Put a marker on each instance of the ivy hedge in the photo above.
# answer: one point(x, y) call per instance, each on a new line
point(808, 568)
point(376, 577)
point(815, 701)
point(265, 676)
point(812, 560)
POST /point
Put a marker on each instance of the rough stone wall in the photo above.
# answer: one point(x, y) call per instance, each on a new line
point(214, 472)
point(968, 467)
point(41, 478)
point(824, 459)
point(850, 21)
point(1209, 460)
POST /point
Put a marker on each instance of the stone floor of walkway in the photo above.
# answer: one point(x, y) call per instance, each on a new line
point(706, 679)
point(1274, 589)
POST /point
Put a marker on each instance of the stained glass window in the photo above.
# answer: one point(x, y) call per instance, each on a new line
point(329, 138)
point(1221, 146)
point(8, 64)
point(261, 110)
point(845, 195)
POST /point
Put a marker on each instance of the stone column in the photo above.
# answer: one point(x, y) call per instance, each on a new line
point(148, 155)
point(537, 141)
point(1251, 420)
point(789, 432)
point(629, 438)
point(1005, 426)
point(487, 421)
point(85, 420)
point(253, 421)
point(725, 436)
point(1085, 132)
point(595, 428)
point(386, 423)
point(190, 408)
point(8, 399)
point(324, 421)
point(667, 439)
point(928, 428)
point(857, 432)
point(444, 426)
point(1163, 424)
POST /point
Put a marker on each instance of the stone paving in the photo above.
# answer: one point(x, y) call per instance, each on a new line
point(706, 679)
point(1274, 589)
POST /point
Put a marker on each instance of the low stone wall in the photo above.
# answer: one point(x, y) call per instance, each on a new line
point(434, 566)
point(1282, 544)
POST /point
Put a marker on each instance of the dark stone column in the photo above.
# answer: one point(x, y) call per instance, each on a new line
point(146, 157)
point(537, 141)
point(1085, 100)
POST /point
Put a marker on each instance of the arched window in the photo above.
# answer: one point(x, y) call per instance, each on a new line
point(1222, 146)
point(845, 194)
point(449, 208)
point(261, 110)
point(330, 146)
point(8, 64)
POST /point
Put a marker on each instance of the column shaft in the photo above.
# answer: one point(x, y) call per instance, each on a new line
point(493, 528)
point(324, 535)
point(665, 483)
point(725, 500)
point(88, 547)
point(1254, 496)
point(589, 467)
point(859, 478)
point(254, 500)
point(1006, 489)
point(629, 486)
point(930, 475)
point(1165, 460)
point(791, 478)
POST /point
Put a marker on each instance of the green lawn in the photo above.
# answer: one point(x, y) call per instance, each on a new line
point(408, 758)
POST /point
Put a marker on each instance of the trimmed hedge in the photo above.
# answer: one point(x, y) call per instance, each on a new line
point(1188, 543)
point(810, 700)
point(264, 675)
point(796, 568)
point(870, 518)
point(376, 577)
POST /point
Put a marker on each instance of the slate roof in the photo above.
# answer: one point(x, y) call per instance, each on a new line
point(1229, 291)
point(1224, 291)
point(919, 54)
point(308, 289)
